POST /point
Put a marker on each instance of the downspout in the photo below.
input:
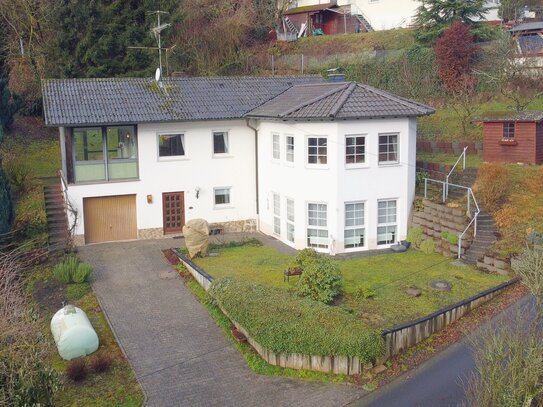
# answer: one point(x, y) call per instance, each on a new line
point(247, 121)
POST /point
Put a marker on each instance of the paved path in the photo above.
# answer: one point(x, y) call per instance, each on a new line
point(441, 380)
point(178, 353)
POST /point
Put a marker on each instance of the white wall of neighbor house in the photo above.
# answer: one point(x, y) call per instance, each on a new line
point(198, 168)
point(337, 182)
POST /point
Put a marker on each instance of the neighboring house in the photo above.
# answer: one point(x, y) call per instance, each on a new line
point(515, 138)
point(329, 165)
point(528, 39)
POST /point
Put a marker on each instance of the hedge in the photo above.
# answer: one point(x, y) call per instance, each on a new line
point(282, 322)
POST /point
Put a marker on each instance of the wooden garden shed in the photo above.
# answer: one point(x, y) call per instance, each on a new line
point(513, 138)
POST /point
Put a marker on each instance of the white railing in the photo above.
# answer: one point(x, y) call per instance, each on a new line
point(463, 158)
point(470, 206)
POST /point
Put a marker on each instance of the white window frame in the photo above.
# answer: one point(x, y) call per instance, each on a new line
point(356, 226)
point(289, 154)
point(355, 164)
point(276, 146)
point(317, 242)
point(307, 155)
point(227, 143)
point(172, 157)
point(388, 162)
point(276, 199)
point(222, 205)
point(388, 224)
point(290, 220)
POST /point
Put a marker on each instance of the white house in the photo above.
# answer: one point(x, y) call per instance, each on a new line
point(329, 165)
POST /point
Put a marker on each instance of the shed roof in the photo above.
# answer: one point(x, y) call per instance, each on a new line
point(69, 102)
point(310, 9)
point(340, 100)
point(530, 116)
point(537, 25)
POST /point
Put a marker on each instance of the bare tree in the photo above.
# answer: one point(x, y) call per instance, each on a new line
point(529, 267)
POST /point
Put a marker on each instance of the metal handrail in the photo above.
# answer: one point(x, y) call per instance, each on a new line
point(63, 181)
point(463, 155)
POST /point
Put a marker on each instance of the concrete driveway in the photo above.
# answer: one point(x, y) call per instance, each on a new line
point(178, 353)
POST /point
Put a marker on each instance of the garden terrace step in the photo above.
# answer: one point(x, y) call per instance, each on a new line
point(57, 221)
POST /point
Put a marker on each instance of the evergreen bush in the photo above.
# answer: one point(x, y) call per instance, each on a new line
point(321, 280)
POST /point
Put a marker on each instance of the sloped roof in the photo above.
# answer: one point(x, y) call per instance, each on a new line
point(71, 102)
point(536, 25)
point(529, 116)
point(340, 100)
point(310, 9)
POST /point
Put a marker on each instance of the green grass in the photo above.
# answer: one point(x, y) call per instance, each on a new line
point(472, 160)
point(253, 360)
point(388, 275)
point(117, 387)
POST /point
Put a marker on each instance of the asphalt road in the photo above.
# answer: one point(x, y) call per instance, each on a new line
point(440, 381)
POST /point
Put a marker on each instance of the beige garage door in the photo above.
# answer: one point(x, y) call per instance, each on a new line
point(109, 218)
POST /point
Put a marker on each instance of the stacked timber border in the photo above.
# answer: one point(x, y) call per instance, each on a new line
point(449, 147)
point(396, 340)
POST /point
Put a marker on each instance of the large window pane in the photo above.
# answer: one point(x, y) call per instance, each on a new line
point(386, 219)
point(88, 144)
point(317, 232)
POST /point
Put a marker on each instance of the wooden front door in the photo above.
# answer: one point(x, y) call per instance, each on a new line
point(109, 218)
point(173, 211)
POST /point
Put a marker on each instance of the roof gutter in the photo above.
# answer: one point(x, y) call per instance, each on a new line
point(247, 121)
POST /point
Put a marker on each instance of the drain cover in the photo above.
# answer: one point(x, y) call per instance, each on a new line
point(441, 285)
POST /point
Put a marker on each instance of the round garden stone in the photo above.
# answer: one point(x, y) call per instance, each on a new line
point(413, 292)
point(440, 285)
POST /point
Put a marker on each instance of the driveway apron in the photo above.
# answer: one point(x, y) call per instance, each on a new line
point(178, 353)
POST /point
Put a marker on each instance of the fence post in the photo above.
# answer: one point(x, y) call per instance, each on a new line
point(469, 199)
point(425, 188)
point(444, 196)
point(459, 247)
point(302, 64)
point(273, 64)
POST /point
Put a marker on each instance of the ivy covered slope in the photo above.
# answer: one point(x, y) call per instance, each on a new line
point(282, 322)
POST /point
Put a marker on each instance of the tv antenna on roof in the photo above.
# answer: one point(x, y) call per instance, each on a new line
point(156, 31)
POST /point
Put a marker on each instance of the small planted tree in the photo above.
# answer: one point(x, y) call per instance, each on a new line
point(321, 280)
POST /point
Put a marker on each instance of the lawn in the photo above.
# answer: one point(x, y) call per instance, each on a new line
point(117, 387)
point(385, 276)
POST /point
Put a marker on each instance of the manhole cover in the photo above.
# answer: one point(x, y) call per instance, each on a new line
point(441, 285)
point(167, 275)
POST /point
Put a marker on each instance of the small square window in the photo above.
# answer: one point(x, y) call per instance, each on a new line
point(388, 148)
point(355, 150)
point(220, 142)
point(317, 150)
point(222, 196)
point(509, 131)
point(170, 145)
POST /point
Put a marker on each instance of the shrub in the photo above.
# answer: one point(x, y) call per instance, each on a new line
point(19, 175)
point(63, 271)
point(76, 370)
point(321, 280)
point(428, 246)
point(291, 324)
point(491, 185)
point(414, 235)
point(101, 362)
point(449, 237)
point(364, 291)
point(305, 257)
point(82, 273)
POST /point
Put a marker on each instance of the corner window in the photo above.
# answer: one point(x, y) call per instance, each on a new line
point(317, 225)
point(290, 220)
point(222, 196)
point(317, 150)
point(220, 142)
point(354, 225)
point(289, 145)
point(276, 147)
point(509, 131)
point(355, 150)
point(276, 214)
point(171, 145)
point(386, 222)
point(388, 148)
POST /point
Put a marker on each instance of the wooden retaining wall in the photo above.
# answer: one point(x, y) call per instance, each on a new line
point(406, 335)
point(199, 275)
point(449, 147)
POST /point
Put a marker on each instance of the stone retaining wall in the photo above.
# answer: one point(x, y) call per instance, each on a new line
point(494, 265)
point(436, 218)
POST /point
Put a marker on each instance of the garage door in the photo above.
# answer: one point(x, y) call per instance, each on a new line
point(110, 218)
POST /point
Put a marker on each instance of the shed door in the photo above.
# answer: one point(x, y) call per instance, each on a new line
point(173, 211)
point(110, 218)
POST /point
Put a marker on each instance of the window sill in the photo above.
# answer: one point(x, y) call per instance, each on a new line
point(116, 181)
point(317, 167)
point(508, 142)
point(221, 155)
point(390, 164)
point(356, 166)
point(228, 206)
point(173, 158)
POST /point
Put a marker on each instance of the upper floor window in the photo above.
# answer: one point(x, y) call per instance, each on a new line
point(220, 142)
point(355, 149)
point(276, 147)
point(317, 150)
point(103, 154)
point(289, 145)
point(388, 148)
point(170, 145)
point(509, 130)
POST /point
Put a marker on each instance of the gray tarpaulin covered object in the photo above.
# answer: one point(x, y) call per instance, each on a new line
point(196, 232)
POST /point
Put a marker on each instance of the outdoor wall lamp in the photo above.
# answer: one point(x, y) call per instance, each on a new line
point(197, 190)
point(149, 199)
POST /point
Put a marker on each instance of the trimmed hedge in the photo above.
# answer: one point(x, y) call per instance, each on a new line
point(282, 322)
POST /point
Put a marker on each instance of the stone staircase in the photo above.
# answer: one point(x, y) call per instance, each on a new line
point(57, 220)
point(486, 235)
point(467, 179)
